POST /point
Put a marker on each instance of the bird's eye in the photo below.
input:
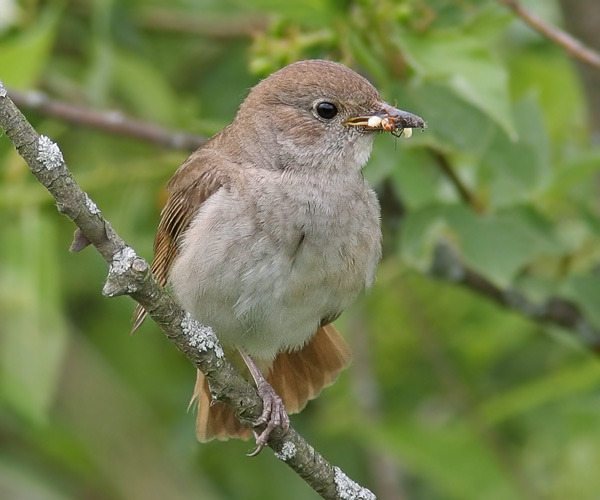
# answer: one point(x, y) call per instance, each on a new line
point(326, 110)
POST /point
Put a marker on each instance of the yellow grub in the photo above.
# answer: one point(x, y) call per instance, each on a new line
point(407, 133)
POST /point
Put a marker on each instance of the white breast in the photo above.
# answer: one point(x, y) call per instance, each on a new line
point(265, 268)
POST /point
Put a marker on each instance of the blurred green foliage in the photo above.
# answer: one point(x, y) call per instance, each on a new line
point(463, 399)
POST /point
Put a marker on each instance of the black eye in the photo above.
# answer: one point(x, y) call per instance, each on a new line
point(326, 110)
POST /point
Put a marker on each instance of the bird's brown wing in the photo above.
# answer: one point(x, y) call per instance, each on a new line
point(195, 181)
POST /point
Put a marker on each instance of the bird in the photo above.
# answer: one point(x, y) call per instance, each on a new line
point(271, 231)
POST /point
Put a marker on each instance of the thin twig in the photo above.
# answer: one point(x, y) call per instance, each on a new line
point(571, 45)
point(446, 167)
point(112, 122)
point(448, 266)
point(179, 22)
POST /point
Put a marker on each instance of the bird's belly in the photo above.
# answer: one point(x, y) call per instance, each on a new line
point(266, 292)
point(284, 300)
point(263, 300)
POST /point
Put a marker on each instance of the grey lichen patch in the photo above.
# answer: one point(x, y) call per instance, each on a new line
point(91, 206)
point(201, 337)
point(122, 261)
point(3, 92)
point(288, 451)
point(348, 489)
point(49, 153)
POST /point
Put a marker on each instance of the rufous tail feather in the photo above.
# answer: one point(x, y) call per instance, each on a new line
point(297, 377)
point(215, 420)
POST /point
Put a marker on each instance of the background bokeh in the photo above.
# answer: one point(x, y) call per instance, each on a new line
point(450, 396)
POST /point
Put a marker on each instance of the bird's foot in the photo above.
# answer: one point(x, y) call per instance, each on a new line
point(273, 415)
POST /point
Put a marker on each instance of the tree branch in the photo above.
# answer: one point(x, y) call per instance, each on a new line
point(130, 275)
point(448, 266)
point(448, 170)
point(571, 45)
point(180, 22)
point(113, 122)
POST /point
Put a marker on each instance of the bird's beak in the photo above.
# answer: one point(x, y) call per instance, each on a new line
point(389, 119)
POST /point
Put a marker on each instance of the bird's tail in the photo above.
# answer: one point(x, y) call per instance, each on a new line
point(297, 377)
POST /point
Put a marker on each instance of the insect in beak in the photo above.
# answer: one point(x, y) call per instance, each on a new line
point(389, 119)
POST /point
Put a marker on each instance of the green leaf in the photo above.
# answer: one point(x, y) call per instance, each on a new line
point(23, 57)
point(499, 246)
point(452, 123)
point(549, 77)
point(416, 176)
point(510, 171)
point(584, 290)
point(144, 88)
point(579, 171)
point(421, 229)
point(518, 171)
point(464, 65)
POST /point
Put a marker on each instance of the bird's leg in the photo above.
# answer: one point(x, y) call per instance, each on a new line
point(273, 414)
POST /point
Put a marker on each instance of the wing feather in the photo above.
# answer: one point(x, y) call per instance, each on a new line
point(195, 181)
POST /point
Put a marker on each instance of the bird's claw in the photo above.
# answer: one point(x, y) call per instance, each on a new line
point(273, 415)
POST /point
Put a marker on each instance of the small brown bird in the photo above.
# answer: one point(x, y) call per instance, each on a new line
point(271, 231)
